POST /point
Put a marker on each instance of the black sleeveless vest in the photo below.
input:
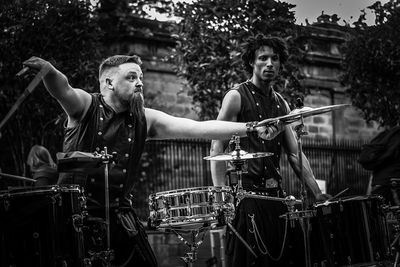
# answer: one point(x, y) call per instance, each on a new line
point(256, 105)
point(119, 132)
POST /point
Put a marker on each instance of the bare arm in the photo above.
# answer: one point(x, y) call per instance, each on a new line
point(291, 148)
point(74, 101)
point(218, 168)
point(229, 109)
point(163, 126)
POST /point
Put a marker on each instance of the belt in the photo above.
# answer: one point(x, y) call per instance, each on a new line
point(269, 183)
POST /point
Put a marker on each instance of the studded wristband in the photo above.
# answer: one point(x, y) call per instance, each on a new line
point(251, 126)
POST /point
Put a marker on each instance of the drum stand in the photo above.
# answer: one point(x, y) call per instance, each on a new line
point(191, 256)
point(395, 245)
point(107, 255)
point(238, 162)
point(238, 191)
point(304, 215)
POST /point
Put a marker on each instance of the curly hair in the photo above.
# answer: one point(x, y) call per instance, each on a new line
point(253, 43)
point(117, 60)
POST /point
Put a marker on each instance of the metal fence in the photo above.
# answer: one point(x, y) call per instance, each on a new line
point(175, 164)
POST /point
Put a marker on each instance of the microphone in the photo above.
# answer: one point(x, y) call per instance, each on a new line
point(23, 71)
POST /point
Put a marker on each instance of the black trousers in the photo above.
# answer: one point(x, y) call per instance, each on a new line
point(258, 223)
point(128, 239)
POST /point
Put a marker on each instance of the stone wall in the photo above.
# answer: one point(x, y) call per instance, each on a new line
point(163, 90)
point(321, 69)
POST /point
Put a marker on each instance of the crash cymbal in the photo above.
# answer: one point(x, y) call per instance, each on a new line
point(243, 155)
point(305, 112)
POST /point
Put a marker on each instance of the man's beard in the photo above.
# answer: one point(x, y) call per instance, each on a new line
point(136, 105)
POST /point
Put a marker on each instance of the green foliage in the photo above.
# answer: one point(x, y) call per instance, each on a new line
point(372, 65)
point(209, 38)
point(66, 34)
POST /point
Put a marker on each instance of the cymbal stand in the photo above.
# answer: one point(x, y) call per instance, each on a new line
point(304, 215)
point(238, 192)
point(238, 163)
point(395, 244)
point(191, 256)
point(106, 160)
point(300, 132)
point(107, 255)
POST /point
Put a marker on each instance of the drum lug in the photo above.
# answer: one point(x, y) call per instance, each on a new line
point(56, 199)
point(77, 222)
point(6, 204)
point(167, 204)
point(87, 262)
point(211, 200)
point(82, 202)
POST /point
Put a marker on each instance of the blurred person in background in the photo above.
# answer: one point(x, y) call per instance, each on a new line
point(42, 167)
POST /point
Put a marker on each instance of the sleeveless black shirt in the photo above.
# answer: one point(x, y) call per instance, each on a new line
point(119, 132)
point(257, 105)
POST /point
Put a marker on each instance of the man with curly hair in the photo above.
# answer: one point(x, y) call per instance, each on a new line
point(253, 100)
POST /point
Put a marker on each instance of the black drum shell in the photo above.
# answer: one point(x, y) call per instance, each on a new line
point(349, 231)
point(40, 226)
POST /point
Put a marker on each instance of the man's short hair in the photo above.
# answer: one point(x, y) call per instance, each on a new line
point(115, 61)
point(254, 43)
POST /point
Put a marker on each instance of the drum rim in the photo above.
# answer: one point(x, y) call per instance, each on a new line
point(197, 205)
point(24, 191)
point(350, 199)
point(181, 191)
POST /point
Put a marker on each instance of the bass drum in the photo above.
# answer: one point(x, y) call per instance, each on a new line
point(41, 226)
point(349, 232)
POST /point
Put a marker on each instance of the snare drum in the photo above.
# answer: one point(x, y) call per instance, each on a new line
point(41, 226)
point(349, 232)
point(191, 206)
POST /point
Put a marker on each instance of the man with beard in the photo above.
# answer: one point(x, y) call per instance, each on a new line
point(117, 119)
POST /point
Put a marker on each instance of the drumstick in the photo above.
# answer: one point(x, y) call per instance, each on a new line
point(17, 177)
point(338, 194)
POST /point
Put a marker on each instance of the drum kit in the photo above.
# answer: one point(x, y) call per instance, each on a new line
point(339, 232)
point(326, 227)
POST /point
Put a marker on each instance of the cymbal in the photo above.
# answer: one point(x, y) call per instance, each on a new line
point(305, 112)
point(243, 155)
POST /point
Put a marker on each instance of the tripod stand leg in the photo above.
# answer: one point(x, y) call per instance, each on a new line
point(241, 239)
point(304, 222)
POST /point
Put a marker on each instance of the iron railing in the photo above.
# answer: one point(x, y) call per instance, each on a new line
point(176, 164)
